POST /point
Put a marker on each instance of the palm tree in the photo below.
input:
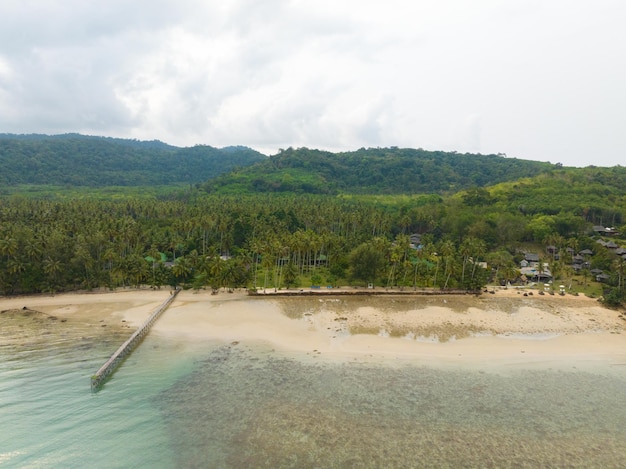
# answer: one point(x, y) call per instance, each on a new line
point(83, 263)
point(52, 268)
point(15, 267)
point(267, 261)
point(214, 270)
point(555, 240)
point(32, 249)
point(502, 260)
point(447, 253)
point(282, 257)
point(480, 248)
point(154, 257)
point(291, 274)
point(109, 256)
point(8, 246)
point(618, 266)
point(435, 258)
point(465, 250)
point(397, 255)
point(181, 269)
point(572, 243)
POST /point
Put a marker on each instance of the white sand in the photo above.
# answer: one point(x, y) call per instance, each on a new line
point(553, 329)
point(501, 329)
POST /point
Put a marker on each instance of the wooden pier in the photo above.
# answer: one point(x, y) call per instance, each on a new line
point(127, 347)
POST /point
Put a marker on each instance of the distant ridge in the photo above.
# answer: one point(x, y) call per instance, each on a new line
point(375, 171)
point(81, 160)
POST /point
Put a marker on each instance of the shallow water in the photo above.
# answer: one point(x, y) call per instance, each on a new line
point(249, 408)
point(244, 405)
point(50, 417)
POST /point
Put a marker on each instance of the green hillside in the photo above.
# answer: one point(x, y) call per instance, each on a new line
point(596, 194)
point(374, 171)
point(566, 201)
point(78, 160)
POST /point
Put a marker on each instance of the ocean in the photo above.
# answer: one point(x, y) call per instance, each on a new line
point(175, 404)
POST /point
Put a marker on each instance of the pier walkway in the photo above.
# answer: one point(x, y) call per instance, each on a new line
point(127, 347)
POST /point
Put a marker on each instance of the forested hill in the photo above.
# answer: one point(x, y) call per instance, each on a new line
point(374, 171)
point(79, 160)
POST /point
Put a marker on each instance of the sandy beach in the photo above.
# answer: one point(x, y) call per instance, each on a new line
point(504, 328)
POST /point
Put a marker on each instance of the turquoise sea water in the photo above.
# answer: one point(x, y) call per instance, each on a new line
point(216, 405)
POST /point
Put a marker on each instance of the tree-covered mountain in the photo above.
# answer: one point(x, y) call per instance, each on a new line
point(374, 171)
point(79, 160)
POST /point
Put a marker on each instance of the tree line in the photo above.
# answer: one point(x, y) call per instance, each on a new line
point(277, 241)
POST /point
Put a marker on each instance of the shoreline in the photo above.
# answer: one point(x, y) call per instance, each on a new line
point(504, 329)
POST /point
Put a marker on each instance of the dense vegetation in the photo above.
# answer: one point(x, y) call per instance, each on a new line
point(283, 240)
point(390, 217)
point(78, 160)
point(374, 171)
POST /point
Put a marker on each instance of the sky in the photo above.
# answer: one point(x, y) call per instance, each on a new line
point(532, 79)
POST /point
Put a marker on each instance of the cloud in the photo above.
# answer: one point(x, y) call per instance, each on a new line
point(537, 80)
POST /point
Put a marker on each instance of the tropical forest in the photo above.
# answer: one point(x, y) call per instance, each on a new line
point(86, 213)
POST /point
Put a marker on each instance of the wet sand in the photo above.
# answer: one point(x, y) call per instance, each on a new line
point(46, 319)
point(502, 329)
point(505, 328)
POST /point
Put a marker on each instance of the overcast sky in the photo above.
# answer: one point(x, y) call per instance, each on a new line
point(535, 79)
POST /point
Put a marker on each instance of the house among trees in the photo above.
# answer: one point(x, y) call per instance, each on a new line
point(532, 258)
point(605, 231)
point(531, 268)
point(415, 240)
point(554, 252)
point(579, 261)
point(535, 275)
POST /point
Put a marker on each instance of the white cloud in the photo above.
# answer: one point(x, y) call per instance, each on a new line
point(536, 80)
